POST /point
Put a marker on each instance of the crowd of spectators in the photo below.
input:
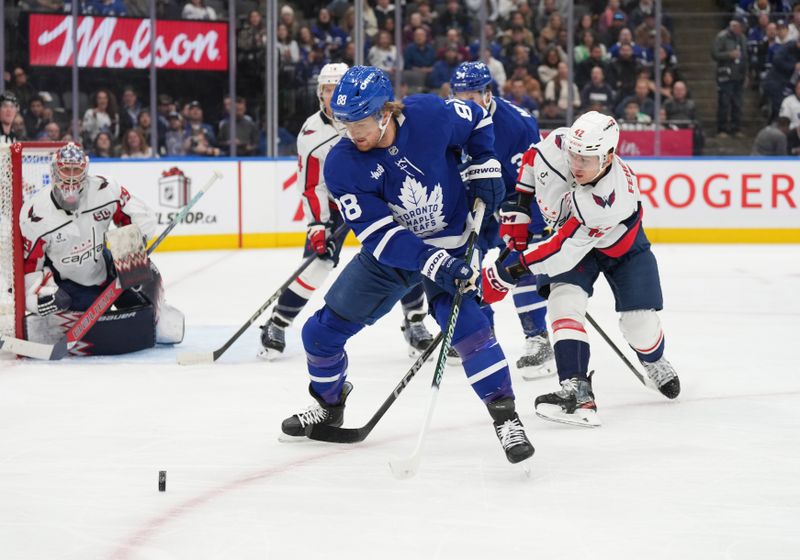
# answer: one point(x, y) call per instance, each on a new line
point(525, 49)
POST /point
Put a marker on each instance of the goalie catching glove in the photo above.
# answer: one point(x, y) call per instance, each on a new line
point(320, 238)
point(446, 270)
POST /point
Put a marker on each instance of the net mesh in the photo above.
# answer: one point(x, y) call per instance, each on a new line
point(35, 165)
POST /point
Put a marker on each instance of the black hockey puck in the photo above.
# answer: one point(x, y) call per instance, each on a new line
point(162, 481)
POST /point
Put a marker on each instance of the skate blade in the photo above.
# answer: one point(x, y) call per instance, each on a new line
point(269, 355)
point(285, 438)
point(531, 373)
point(582, 418)
point(525, 467)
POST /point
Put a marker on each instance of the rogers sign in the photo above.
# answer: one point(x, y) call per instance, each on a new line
point(125, 43)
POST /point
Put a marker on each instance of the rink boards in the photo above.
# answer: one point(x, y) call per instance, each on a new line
point(257, 203)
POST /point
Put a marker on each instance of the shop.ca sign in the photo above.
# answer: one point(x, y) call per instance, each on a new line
point(109, 42)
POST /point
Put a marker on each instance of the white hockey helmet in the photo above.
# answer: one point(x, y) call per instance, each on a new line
point(593, 134)
point(330, 74)
point(68, 169)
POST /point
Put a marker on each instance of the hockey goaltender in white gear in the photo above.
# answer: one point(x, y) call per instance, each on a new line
point(67, 264)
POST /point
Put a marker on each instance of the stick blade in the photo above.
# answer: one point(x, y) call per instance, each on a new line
point(403, 469)
point(37, 350)
point(323, 432)
point(194, 358)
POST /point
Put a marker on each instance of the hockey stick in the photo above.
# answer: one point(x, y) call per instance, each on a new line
point(326, 432)
point(100, 305)
point(191, 358)
point(407, 467)
point(616, 349)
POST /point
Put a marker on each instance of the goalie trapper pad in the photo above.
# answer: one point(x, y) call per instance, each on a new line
point(131, 262)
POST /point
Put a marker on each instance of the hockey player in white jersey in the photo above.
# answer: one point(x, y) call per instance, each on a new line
point(318, 135)
point(67, 265)
point(591, 198)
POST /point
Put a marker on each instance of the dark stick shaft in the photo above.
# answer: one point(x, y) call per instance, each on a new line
point(615, 348)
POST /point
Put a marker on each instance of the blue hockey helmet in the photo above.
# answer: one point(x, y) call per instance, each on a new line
point(361, 93)
point(470, 76)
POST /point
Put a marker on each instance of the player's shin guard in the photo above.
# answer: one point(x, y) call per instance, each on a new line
point(324, 337)
point(642, 330)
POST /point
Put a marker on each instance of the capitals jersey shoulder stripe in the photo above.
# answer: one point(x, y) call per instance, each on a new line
point(552, 246)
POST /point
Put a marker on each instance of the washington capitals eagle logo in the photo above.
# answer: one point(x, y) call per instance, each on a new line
point(603, 202)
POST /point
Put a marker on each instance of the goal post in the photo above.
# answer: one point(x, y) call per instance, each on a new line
point(24, 171)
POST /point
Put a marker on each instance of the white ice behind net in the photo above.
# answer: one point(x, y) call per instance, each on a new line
point(35, 176)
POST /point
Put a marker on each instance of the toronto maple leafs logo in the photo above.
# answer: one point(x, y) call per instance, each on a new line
point(421, 213)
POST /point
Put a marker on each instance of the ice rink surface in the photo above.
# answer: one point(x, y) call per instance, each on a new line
point(714, 474)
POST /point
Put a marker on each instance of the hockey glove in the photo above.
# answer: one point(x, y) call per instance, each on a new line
point(320, 237)
point(486, 182)
point(43, 296)
point(514, 221)
point(439, 266)
point(497, 281)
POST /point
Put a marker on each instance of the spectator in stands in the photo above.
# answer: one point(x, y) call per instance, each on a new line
point(668, 79)
point(597, 92)
point(144, 124)
point(632, 118)
point(288, 50)
point(492, 43)
point(165, 106)
point(496, 68)
point(134, 145)
point(785, 64)
point(532, 85)
point(641, 94)
point(771, 140)
point(444, 67)
point(453, 17)
point(383, 53)
point(19, 127)
point(34, 117)
point(109, 8)
point(625, 38)
point(549, 33)
point(327, 32)
point(624, 71)
point(194, 122)
point(782, 32)
point(548, 70)
point(583, 50)
point(514, 38)
point(520, 56)
point(198, 144)
point(517, 32)
point(558, 90)
point(50, 133)
point(550, 116)
point(288, 19)
point(383, 11)
point(643, 31)
point(518, 95)
point(583, 71)
point(246, 130)
point(348, 21)
point(643, 10)
point(306, 42)
point(794, 25)
point(410, 29)
point(730, 53)
point(102, 115)
point(197, 9)
point(618, 23)
point(790, 107)
point(103, 146)
point(129, 112)
point(420, 55)
point(765, 51)
point(176, 136)
point(453, 38)
point(680, 109)
point(544, 10)
point(606, 18)
point(21, 88)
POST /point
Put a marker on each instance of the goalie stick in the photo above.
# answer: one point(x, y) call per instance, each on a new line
point(326, 432)
point(407, 467)
point(100, 305)
point(191, 358)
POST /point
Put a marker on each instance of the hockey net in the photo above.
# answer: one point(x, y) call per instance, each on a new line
point(24, 171)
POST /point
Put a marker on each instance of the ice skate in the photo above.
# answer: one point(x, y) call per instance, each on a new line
point(510, 432)
point(663, 378)
point(416, 334)
point(296, 425)
point(453, 358)
point(273, 339)
point(572, 404)
point(538, 359)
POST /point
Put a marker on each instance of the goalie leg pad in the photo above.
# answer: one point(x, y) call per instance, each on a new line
point(642, 330)
point(170, 325)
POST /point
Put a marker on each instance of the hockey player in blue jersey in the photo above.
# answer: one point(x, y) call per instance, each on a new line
point(515, 131)
point(397, 183)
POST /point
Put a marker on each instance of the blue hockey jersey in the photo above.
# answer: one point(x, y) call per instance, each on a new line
point(403, 199)
point(515, 131)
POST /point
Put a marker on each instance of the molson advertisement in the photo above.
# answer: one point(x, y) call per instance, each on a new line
point(110, 42)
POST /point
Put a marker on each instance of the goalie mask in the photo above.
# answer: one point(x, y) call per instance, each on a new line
point(68, 170)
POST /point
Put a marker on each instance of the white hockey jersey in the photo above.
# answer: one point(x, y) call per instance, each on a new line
point(606, 216)
point(315, 140)
point(72, 243)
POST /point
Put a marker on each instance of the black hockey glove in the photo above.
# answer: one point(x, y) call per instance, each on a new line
point(53, 302)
